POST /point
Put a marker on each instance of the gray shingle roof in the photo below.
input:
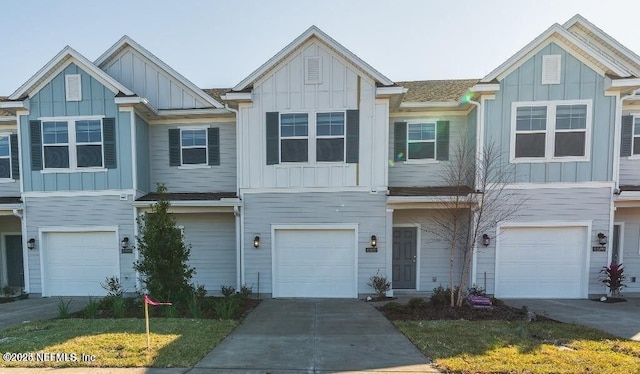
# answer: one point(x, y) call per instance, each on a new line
point(436, 90)
point(216, 93)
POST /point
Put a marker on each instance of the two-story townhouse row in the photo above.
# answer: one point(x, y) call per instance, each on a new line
point(317, 171)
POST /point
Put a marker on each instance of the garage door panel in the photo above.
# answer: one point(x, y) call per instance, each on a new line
point(543, 262)
point(75, 263)
point(314, 263)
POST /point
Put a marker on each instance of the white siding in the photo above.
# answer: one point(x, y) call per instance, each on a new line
point(629, 171)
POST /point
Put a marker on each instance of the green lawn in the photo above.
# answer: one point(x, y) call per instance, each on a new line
point(518, 347)
point(175, 342)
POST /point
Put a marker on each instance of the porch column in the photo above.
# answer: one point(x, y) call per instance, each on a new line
point(389, 249)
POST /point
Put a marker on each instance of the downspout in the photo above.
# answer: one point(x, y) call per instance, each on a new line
point(237, 213)
point(479, 147)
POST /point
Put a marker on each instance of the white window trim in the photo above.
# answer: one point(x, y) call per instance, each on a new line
point(558, 71)
point(633, 137)
point(550, 132)
point(68, 97)
point(306, 68)
point(204, 165)
point(343, 137)
point(7, 180)
point(435, 143)
point(72, 144)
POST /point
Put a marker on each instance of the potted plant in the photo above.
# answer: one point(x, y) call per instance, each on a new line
point(613, 277)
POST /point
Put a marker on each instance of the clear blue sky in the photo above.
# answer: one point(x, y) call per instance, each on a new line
point(218, 43)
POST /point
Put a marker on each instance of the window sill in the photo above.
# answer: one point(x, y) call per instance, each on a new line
point(188, 167)
point(70, 171)
point(421, 162)
point(547, 160)
point(7, 180)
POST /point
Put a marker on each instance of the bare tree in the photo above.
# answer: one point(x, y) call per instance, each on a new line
point(476, 202)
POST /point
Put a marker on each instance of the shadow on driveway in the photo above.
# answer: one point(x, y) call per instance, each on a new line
point(36, 308)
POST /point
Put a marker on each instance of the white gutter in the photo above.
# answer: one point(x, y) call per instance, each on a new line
point(224, 202)
point(15, 213)
point(432, 104)
point(236, 96)
point(386, 91)
point(13, 105)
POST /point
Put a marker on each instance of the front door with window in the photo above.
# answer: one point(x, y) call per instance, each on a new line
point(404, 257)
point(616, 245)
point(15, 270)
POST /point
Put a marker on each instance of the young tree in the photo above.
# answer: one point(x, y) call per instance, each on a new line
point(477, 203)
point(163, 253)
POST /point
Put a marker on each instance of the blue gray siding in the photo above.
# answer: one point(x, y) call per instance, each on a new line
point(213, 248)
point(629, 171)
point(79, 211)
point(578, 81)
point(559, 204)
point(262, 210)
point(408, 174)
point(219, 178)
point(96, 100)
point(142, 154)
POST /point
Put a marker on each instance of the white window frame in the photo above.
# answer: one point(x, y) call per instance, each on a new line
point(550, 132)
point(204, 165)
point(8, 135)
point(435, 143)
point(72, 144)
point(343, 136)
point(67, 85)
point(634, 136)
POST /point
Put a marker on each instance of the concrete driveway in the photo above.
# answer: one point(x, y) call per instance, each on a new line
point(315, 335)
point(621, 319)
point(36, 308)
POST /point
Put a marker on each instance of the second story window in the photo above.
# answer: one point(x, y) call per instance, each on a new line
point(294, 135)
point(194, 147)
point(551, 131)
point(636, 136)
point(73, 144)
point(5, 157)
point(330, 137)
point(89, 143)
point(55, 144)
point(421, 141)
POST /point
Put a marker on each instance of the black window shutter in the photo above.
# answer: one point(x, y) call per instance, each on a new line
point(109, 138)
point(15, 160)
point(400, 141)
point(353, 136)
point(442, 140)
point(174, 147)
point(213, 138)
point(36, 145)
point(626, 143)
point(273, 138)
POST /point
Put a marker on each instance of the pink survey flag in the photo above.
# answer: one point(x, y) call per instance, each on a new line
point(147, 300)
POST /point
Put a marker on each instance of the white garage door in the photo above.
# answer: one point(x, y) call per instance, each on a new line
point(314, 263)
point(541, 262)
point(75, 263)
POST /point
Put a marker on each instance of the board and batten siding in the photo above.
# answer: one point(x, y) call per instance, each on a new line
point(549, 205)
point(213, 248)
point(262, 210)
point(414, 173)
point(142, 154)
point(84, 212)
point(434, 252)
point(283, 90)
point(215, 178)
point(96, 100)
point(578, 82)
point(630, 246)
point(144, 78)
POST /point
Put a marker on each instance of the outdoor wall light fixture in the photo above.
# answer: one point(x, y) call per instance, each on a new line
point(486, 240)
point(374, 241)
point(31, 243)
point(125, 242)
point(256, 241)
point(602, 238)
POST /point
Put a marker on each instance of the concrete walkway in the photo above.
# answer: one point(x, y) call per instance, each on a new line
point(36, 308)
point(315, 336)
point(621, 319)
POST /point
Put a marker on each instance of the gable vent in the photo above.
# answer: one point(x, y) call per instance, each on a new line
point(551, 69)
point(312, 70)
point(73, 87)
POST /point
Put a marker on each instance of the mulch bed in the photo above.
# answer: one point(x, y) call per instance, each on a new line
point(428, 311)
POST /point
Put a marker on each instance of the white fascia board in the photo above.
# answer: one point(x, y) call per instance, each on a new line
point(130, 100)
point(184, 112)
point(10, 207)
point(387, 91)
point(79, 59)
point(225, 202)
point(485, 87)
point(624, 83)
point(554, 29)
point(126, 40)
point(312, 31)
point(7, 119)
point(237, 96)
point(430, 104)
point(426, 199)
point(14, 105)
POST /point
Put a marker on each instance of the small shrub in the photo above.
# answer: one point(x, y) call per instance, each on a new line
point(380, 285)
point(226, 308)
point(227, 291)
point(169, 311)
point(613, 277)
point(91, 309)
point(476, 290)
point(118, 306)
point(392, 306)
point(7, 291)
point(246, 291)
point(200, 293)
point(63, 308)
point(113, 287)
point(194, 305)
point(441, 297)
point(416, 303)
